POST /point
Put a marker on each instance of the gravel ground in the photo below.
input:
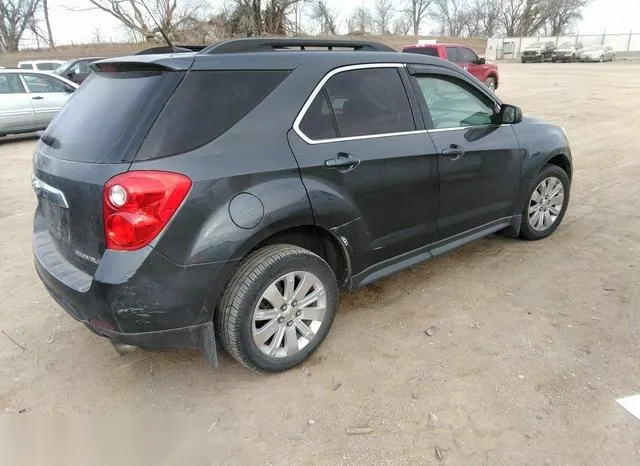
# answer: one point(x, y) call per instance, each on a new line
point(531, 342)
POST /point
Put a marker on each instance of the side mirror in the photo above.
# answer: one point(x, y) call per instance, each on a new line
point(481, 61)
point(69, 89)
point(510, 114)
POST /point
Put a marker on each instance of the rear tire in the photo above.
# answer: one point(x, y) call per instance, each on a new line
point(601, 58)
point(546, 203)
point(261, 315)
point(522, 60)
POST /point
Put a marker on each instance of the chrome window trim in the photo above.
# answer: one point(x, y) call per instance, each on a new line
point(318, 88)
point(459, 128)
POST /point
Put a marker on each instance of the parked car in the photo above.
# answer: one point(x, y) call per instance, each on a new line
point(30, 99)
point(41, 65)
point(76, 70)
point(537, 51)
point(462, 56)
point(240, 191)
point(598, 53)
point(567, 52)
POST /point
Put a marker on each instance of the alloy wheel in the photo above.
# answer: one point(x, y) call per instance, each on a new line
point(289, 314)
point(546, 203)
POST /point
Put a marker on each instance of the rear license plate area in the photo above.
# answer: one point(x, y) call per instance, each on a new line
point(57, 220)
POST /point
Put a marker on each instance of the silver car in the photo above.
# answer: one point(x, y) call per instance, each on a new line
point(599, 53)
point(30, 99)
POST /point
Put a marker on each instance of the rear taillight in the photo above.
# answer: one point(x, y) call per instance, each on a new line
point(138, 204)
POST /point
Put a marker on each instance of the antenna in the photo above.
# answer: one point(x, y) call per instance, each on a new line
point(164, 36)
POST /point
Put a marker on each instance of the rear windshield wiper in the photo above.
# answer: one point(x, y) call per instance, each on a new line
point(48, 139)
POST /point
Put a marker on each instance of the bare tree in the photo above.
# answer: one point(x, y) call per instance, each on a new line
point(360, 21)
point(402, 25)
point(487, 13)
point(45, 8)
point(96, 35)
point(451, 15)
point(325, 17)
point(15, 18)
point(563, 14)
point(140, 15)
point(524, 17)
point(416, 11)
point(382, 15)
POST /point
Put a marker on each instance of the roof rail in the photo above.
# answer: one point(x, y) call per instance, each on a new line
point(176, 49)
point(266, 44)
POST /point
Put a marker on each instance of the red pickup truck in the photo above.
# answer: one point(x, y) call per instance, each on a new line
point(464, 57)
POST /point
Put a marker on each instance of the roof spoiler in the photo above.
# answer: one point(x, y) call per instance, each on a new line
point(174, 49)
point(270, 44)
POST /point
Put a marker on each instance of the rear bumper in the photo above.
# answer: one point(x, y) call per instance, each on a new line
point(138, 298)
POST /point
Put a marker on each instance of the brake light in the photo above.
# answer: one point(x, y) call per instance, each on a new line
point(137, 205)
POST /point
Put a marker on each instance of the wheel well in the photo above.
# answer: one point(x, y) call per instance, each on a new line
point(318, 241)
point(561, 161)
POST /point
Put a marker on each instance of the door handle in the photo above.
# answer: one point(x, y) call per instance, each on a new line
point(342, 161)
point(38, 97)
point(454, 151)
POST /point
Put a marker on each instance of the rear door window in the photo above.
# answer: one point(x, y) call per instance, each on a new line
point(43, 84)
point(318, 122)
point(46, 66)
point(205, 105)
point(363, 103)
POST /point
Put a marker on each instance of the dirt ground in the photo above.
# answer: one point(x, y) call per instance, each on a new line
point(533, 341)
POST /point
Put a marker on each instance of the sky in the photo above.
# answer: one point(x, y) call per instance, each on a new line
point(614, 16)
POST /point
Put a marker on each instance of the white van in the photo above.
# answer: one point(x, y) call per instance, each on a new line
point(42, 65)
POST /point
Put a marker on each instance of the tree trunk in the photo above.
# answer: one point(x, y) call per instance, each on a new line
point(12, 44)
point(45, 6)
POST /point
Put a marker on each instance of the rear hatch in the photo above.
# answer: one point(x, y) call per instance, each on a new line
point(93, 138)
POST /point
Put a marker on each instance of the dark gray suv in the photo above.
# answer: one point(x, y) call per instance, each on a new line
point(228, 194)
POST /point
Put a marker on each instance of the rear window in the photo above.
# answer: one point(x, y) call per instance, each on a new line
point(108, 114)
point(205, 105)
point(423, 50)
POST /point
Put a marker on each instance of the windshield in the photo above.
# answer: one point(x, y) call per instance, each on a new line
point(61, 68)
point(534, 45)
point(566, 45)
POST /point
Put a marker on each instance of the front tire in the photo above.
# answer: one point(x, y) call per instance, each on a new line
point(546, 203)
point(277, 308)
point(491, 83)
